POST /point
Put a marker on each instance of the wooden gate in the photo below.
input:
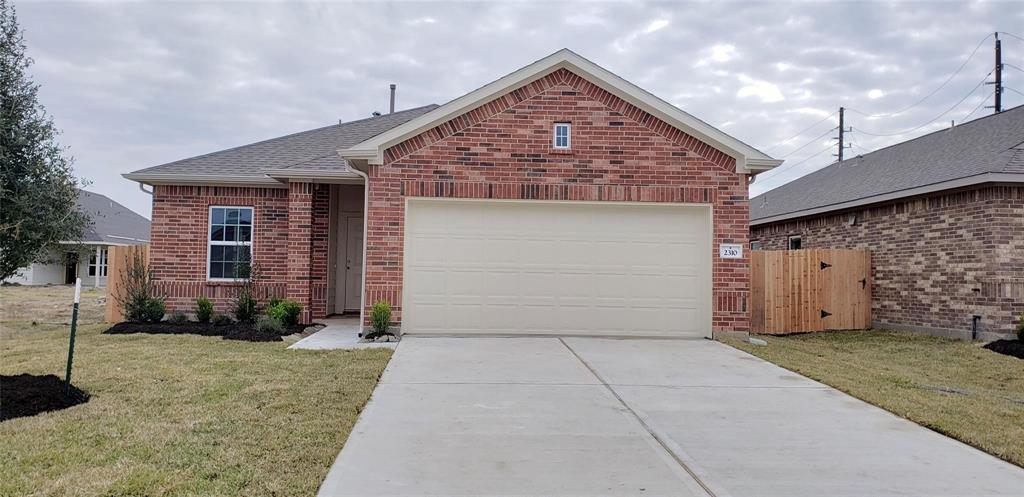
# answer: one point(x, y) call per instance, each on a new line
point(118, 260)
point(809, 290)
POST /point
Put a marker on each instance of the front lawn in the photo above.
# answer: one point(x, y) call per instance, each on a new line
point(175, 414)
point(953, 387)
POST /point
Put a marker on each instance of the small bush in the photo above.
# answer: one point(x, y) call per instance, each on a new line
point(1020, 327)
point(221, 320)
point(286, 311)
point(204, 309)
point(151, 311)
point(267, 324)
point(247, 306)
point(138, 299)
point(177, 318)
point(380, 319)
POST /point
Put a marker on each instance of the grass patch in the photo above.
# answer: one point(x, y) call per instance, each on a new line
point(174, 414)
point(953, 387)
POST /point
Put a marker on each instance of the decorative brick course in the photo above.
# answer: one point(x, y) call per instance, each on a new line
point(937, 260)
point(502, 150)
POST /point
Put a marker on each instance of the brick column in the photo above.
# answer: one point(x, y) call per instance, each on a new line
point(300, 246)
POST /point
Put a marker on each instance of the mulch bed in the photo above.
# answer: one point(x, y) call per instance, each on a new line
point(1013, 348)
point(28, 394)
point(234, 331)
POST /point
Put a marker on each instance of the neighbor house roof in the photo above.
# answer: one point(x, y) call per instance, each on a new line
point(985, 150)
point(748, 158)
point(112, 223)
point(313, 151)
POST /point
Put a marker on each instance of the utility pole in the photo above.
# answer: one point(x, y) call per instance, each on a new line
point(842, 129)
point(999, 74)
point(998, 93)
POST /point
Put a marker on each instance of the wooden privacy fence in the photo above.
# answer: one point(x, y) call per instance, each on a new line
point(809, 290)
point(118, 261)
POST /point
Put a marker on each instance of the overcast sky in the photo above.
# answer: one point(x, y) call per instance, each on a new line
point(134, 85)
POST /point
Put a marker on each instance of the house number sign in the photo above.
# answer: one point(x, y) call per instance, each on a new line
point(730, 251)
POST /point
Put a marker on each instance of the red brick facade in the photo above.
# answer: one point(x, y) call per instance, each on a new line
point(503, 150)
point(937, 260)
point(289, 243)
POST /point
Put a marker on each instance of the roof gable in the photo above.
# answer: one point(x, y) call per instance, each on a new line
point(111, 222)
point(748, 159)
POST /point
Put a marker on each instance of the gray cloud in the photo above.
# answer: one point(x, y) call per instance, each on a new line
point(134, 85)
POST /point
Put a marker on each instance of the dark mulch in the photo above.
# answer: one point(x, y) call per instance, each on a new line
point(1013, 348)
point(28, 394)
point(234, 331)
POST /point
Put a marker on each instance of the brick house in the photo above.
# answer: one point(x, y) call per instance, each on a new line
point(557, 199)
point(942, 214)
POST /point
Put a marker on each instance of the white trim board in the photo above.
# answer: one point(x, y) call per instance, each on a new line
point(748, 159)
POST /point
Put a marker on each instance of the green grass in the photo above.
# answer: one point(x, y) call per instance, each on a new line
point(175, 414)
point(953, 387)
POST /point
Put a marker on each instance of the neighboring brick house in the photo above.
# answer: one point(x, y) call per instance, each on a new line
point(942, 214)
point(559, 199)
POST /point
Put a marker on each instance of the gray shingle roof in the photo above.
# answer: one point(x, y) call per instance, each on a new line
point(307, 150)
point(992, 144)
point(112, 222)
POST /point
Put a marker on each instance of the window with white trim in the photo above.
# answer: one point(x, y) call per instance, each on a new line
point(562, 137)
point(230, 243)
point(101, 267)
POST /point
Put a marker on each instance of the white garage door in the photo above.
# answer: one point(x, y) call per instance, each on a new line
point(556, 268)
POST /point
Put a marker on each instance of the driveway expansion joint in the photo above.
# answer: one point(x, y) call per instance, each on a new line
point(664, 445)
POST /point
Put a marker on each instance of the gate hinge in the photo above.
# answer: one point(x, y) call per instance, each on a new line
point(825, 314)
point(825, 265)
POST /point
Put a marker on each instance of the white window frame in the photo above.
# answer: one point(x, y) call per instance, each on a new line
point(789, 242)
point(568, 136)
point(210, 243)
point(98, 269)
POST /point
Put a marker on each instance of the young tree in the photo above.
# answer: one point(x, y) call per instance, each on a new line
point(37, 189)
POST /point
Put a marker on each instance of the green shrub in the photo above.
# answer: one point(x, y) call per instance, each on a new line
point(138, 300)
point(247, 306)
point(267, 324)
point(380, 319)
point(286, 311)
point(204, 309)
point(177, 318)
point(221, 320)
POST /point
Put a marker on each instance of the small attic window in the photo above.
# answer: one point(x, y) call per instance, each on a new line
point(561, 139)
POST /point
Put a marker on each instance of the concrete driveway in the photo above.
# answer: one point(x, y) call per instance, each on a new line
point(582, 416)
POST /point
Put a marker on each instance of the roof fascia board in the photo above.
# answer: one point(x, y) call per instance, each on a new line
point(339, 177)
point(912, 192)
point(202, 180)
point(747, 157)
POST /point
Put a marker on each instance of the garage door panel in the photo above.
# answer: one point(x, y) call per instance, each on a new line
point(557, 268)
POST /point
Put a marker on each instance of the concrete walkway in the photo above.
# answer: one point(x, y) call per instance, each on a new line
point(339, 333)
point(579, 416)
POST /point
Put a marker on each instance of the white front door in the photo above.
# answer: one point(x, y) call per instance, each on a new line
point(353, 263)
point(557, 268)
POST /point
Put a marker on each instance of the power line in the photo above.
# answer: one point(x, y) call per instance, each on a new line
point(1021, 38)
point(1007, 64)
point(801, 147)
point(783, 142)
point(936, 117)
point(775, 172)
point(980, 105)
point(943, 85)
point(1014, 90)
